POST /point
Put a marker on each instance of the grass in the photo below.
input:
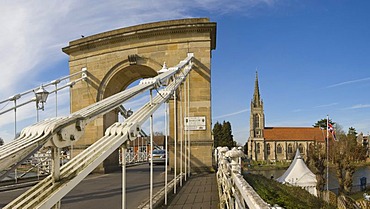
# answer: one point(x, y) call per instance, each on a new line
point(285, 196)
point(359, 195)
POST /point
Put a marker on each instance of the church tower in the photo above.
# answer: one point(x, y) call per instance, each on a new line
point(257, 117)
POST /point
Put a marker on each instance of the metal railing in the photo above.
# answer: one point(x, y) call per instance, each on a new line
point(132, 158)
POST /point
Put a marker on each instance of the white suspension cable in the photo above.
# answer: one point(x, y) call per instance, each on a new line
point(166, 150)
point(151, 153)
point(189, 145)
point(181, 135)
point(123, 159)
point(175, 141)
point(185, 140)
point(46, 194)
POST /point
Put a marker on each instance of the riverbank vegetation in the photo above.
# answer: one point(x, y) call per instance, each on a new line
point(285, 196)
point(359, 195)
point(344, 153)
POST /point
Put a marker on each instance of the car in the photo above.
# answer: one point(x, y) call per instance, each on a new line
point(159, 156)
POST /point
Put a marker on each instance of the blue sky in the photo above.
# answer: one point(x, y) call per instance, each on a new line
point(312, 56)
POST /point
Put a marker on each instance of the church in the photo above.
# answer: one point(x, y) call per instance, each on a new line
point(277, 143)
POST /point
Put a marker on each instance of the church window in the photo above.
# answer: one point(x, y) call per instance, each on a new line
point(256, 119)
point(279, 149)
point(300, 147)
point(268, 149)
point(290, 149)
point(258, 148)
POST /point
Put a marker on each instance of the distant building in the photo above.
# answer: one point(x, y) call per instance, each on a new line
point(277, 143)
point(364, 141)
point(142, 144)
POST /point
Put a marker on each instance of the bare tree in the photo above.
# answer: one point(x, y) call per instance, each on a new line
point(345, 153)
point(316, 160)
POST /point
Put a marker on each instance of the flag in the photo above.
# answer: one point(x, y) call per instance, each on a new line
point(332, 131)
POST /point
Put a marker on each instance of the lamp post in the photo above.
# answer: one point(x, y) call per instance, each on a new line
point(41, 97)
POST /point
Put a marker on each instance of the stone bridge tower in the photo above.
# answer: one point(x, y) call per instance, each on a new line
point(116, 58)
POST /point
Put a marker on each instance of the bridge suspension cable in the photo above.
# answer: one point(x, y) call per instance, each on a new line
point(62, 131)
point(34, 92)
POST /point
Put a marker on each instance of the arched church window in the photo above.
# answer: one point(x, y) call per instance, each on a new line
point(279, 149)
point(258, 148)
point(290, 149)
point(256, 119)
point(268, 149)
point(300, 147)
point(310, 146)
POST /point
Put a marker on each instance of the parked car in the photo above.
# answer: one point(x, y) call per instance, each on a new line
point(159, 156)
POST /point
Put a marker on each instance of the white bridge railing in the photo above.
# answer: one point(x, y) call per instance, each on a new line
point(234, 191)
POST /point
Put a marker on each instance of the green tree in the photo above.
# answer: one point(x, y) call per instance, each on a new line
point(352, 131)
point(227, 136)
point(246, 148)
point(217, 130)
point(222, 135)
point(322, 123)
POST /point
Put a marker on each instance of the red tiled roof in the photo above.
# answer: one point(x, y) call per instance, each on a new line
point(294, 133)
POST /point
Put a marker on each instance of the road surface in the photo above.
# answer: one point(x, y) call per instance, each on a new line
point(104, 190)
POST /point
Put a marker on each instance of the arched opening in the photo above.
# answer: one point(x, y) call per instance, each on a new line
point(116, 80)
point(290, 149)
point(268, 147)
point(256, 119)
point(290, 152)
point(279, 149)
point(301, 148)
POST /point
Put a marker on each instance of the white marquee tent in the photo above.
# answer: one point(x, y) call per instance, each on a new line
point(298, 174)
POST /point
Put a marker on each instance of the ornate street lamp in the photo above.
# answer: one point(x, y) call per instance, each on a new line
point(41, 97)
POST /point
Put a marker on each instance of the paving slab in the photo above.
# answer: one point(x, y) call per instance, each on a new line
point(198, 192)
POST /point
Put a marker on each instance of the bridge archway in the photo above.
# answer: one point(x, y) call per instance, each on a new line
point(115, 59)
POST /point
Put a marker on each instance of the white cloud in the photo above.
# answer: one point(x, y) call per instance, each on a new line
point(33, 33)
point(315, 107)
point(326, 105)
point(231, 114)
point(349, 82)
point(359, 106)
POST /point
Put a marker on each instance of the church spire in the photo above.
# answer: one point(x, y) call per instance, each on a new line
point(256, 96)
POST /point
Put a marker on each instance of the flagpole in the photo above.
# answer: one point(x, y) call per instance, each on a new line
point(327, 155)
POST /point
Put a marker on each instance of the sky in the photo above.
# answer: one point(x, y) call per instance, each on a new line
point(312, 57)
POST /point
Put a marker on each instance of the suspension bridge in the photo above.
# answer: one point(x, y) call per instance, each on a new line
point(170, 60)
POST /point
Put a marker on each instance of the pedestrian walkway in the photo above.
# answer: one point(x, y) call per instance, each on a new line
point(198, 192)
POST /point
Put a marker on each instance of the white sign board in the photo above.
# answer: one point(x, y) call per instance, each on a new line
point(195, 123)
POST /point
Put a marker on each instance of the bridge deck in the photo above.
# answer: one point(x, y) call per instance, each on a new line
point(200, 191)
